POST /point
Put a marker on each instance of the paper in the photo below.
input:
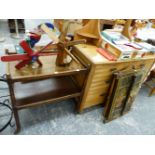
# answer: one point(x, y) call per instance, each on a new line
point(147, 46)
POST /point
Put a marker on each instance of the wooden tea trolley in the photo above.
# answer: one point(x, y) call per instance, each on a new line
point(31, 87)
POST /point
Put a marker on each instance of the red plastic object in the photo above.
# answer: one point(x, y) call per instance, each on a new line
point(17, 57)
point(26, 47)
point(27, 57)
point(106, 54)
point(23, 63)
point(14, 57)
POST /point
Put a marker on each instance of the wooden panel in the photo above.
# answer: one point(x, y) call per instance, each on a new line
point(101, 82)
point(98, 87)
point(122, 94)
point(101, 92)
point(94, 100)
point(102, 78)
point(87, 88)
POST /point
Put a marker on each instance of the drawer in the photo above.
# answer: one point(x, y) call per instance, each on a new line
point(104, 74)
point(99, 88)
point(104, 69)
point(94, 99)
point(100, 91)
point(111, 68)
point(138, 64)
point(100, 84)
point(102, 78)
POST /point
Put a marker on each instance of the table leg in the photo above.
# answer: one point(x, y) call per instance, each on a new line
point(16, 116)
point(13, 101)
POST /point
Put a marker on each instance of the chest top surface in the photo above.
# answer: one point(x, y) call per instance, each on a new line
point(90, 52)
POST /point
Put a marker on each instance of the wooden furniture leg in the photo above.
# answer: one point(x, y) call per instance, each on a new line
point(13, 100)
point(152, 92)
point(16, 116)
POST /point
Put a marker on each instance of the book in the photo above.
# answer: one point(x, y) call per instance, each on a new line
point(113, 35)
point(147, 46)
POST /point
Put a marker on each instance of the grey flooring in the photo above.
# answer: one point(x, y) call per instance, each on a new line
point(61, 118)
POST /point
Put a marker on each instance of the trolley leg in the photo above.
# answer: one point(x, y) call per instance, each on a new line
point(15, 111)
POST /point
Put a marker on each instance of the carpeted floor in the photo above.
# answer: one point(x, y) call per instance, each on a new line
point(61, 118)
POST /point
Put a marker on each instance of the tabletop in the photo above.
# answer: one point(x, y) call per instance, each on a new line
point(49, 69)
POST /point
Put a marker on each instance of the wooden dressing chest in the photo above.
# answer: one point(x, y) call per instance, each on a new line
point(101, 71)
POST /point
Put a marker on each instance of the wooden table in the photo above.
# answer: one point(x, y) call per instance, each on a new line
point(31, 87)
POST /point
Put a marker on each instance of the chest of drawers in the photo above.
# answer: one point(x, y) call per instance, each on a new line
point(101, 71)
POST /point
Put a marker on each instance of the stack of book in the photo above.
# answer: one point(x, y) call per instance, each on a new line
point(127, 48)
